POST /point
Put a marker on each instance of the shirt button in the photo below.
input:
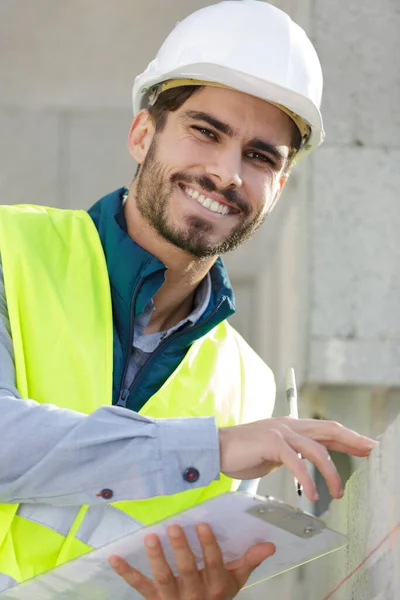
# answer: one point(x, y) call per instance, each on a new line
point(106, 494)
point(191, 475)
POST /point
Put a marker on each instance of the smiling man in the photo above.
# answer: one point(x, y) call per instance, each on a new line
point(216, 165)
point(227, 152)
point(120, 378)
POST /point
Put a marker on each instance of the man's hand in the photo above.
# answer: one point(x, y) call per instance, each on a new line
point(215, 582)
point(253, 450)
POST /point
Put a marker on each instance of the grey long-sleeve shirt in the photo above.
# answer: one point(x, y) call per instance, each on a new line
point(62, 457)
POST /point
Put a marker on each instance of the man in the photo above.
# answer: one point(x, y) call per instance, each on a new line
point(125, 395)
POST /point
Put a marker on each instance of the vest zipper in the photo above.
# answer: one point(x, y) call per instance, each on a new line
point(123, 397)
point(126, 392)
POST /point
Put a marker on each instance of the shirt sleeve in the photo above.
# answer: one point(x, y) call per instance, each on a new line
point(62, 457)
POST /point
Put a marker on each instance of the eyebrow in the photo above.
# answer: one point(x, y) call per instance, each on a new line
point(213, 121)
point(255, 143)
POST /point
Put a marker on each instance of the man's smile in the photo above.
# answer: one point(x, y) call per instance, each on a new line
point(209, 202)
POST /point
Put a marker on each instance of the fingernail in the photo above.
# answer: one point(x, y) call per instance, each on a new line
point(151, 541)
point(203, 528)
point(371, 443)
point(114, 561)
point(174, 531)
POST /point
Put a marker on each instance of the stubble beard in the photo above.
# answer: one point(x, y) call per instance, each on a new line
point(153, 193)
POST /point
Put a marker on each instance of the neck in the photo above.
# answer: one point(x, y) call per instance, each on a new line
point(174, 300)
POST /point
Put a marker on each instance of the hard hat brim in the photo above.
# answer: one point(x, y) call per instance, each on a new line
point(242, 82)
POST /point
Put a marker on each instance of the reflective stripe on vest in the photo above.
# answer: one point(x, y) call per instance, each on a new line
point(49, 255)
point(101, 525)
point(6, 582)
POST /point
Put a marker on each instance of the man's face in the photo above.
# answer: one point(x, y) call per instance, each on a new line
point(215, 170)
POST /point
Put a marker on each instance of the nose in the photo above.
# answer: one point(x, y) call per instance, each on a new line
point(225, 169)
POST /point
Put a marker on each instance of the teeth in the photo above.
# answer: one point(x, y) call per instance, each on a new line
point(212, 205)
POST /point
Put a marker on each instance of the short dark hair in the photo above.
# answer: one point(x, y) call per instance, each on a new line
point(174, 98)
point(170, 101)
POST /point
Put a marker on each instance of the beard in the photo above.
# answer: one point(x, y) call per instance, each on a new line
point(153, 194)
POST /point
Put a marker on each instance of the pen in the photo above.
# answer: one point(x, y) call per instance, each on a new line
point(291, 397)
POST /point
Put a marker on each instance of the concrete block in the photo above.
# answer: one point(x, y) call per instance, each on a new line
point(358, 44)
point(338, 69)
point(81, 54)
point(97, 160)
point(337, 361)
point(29, 156)
point(369, 514)
point(355, 244)
point(300, 12)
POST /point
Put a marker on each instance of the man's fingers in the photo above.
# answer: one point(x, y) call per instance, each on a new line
point(290, 458)
point(134, 578)
point(340, 447)
point(326, 431)
point(189, 578)
point(160, 568)
point(218, 584)
point(319, 456)
point(243, 567)
point(312, 438)
point(212, 555)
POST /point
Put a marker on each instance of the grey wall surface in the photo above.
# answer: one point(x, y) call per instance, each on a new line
point(355, 280)
point(369, 514)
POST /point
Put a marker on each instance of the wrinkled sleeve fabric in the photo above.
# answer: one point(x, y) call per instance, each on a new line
point(62, 457)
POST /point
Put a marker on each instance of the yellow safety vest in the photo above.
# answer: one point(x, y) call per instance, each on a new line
point(58, 297)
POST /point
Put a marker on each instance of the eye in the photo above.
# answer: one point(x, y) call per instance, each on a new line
point(205, 132)
point(261, 158)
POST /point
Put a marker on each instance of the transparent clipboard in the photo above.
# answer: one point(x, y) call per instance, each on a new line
point(238, 519)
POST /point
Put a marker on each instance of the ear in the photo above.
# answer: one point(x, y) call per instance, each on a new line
point(281, 185)
point(140, 135)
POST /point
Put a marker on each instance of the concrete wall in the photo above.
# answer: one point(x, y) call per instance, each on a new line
point(342, 308)
point(364, 409)
point(369, 514)
point(355, 282)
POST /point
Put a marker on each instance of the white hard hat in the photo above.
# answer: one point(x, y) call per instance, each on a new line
point(246, 45)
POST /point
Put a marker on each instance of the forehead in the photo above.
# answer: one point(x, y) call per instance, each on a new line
point(247, 115)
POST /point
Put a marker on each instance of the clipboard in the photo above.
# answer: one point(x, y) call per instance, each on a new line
point(238, 520)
